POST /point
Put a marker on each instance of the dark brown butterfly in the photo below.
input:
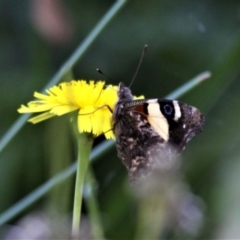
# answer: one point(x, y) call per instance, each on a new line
point(149, 133)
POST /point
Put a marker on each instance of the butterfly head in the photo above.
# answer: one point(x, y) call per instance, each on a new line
point(124, 93)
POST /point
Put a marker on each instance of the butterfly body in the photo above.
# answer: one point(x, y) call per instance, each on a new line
point(149, 133)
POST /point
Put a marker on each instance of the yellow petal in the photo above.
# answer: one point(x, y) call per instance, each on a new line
point(97, 122)
point(60, 110)
point(84, 123)
point(41, 117)
point(107, 126)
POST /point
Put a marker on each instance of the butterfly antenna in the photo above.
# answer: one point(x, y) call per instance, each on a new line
point(139, 64)
point(98, 70)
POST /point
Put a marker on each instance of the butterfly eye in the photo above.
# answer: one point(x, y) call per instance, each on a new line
point(168, 110)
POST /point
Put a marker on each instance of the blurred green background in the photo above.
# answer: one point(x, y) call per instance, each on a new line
point(184, 37)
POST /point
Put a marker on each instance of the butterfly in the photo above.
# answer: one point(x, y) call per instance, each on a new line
point(150, 133)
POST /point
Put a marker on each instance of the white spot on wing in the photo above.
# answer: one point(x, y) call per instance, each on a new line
point(155, 100)
point(157, 120)
point(177, 110)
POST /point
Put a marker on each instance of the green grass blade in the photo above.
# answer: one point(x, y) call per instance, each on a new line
point(189, 85)
point(46, 187)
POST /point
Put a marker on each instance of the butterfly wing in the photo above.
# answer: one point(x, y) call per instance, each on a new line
point(138, 144)
point(149, 133)
point(174, 121)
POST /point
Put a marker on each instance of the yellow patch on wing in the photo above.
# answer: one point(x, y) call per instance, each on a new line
point(158, 120)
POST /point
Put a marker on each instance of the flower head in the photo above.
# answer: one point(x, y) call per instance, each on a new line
point(92, 101)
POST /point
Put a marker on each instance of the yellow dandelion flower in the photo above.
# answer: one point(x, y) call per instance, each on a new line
point(92, 101)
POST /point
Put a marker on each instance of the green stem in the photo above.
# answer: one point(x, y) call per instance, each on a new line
point(92, 205)
point(85, 142)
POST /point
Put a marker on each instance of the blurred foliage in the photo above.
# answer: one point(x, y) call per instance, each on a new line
point(184, 39)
